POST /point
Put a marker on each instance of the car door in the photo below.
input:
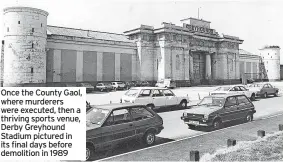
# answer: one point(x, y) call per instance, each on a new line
point(121, 125)
point(144, 97)
point(244, 106)
point(265, 89)
point(271, 89)
point(171, 99)
point(231, 111)
point(142, 119)
point(158, 99)
point(245, 91)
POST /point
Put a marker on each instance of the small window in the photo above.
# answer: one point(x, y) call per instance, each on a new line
point(157, 93)
point(41, 24)
point(32, 29)
point(271, 56)
point(231, 101)
point(8, 29)
point(168, 93)
point(19, 22)
point(120, 116)
point(268, 53)
point(32, 45)
point(242, 100)
point(140, 113)
point(145, 93)
point(31, 70)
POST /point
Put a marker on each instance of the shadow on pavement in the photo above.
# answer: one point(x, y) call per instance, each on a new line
point(127, 147)
point(225, 125)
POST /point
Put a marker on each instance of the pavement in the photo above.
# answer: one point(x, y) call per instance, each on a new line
point(208, 142)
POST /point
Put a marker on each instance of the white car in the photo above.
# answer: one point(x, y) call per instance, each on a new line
point(154, 97)
point(166, 83)
point(236, 90)
point(118, 85)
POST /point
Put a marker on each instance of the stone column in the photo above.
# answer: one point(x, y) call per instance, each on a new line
point(57, 66)
point(79, 66)
point(117, 66)
point(208, 66)
point(191, 59)
point(99, 66)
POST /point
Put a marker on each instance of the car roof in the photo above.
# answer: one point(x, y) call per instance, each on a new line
point(148, 88)
point(226, 95)
point(116, 106)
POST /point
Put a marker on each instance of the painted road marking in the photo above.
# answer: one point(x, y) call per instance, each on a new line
point(111, 157)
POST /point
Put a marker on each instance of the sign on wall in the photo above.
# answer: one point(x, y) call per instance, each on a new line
point(199, 29)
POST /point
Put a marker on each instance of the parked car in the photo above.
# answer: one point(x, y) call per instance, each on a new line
point(213, 111)
point(71, 85)
point(87, 106)
point(235, 89)
point(154, 97)
point(166, 83)
point(250, 80)
point(142, 84)
point(118, 85)
point(109, 125)
point(104, 87)
point(264, 89)
point(88, 86)
point(130, 84)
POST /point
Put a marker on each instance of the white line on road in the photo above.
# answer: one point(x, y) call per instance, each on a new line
point(111, 157)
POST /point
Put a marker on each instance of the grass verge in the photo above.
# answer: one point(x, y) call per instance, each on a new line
point(269, 148)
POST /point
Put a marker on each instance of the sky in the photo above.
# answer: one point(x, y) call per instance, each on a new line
point(257, 22)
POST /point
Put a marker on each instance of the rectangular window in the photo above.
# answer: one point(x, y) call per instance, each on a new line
point(31, 45)
point(32, 29)
point(41, 24)
point(7, 29)
point(19, 22)
point(31, 70)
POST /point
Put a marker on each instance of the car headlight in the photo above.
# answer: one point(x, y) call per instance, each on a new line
point(206, 116)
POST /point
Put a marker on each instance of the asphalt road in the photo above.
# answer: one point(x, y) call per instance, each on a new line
point(206, 143)
point(175, 129)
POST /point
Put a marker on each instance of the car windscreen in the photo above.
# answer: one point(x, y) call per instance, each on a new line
point(132, 92)
point(223, 89)
point(212, 101)
point(119, 82)
point(96, 116)
point(255, 85)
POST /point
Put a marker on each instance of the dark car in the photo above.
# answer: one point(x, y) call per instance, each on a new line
point(111, 124)
point(130, 84)
point(215, 110)
point(104, 87)
point(88, 86)
point(142, 84)
point(264, 89)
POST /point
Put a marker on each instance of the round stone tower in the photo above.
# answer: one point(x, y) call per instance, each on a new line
point(271, 59)
point(25, 43)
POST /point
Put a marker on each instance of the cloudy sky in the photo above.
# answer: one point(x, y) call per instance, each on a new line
point(257, 22)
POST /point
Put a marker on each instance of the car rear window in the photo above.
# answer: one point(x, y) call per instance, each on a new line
point(132, 92)
point(140, 113)
point(242, 100)
point(223, 89)
point(96, 116)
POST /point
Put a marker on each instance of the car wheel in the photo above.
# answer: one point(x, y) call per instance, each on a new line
point(89, 152)
point(265, 95)
point(183, 104)
point(151, 107)
point(249, 118)
point(217, 124)
point(276, 94)
point(253, 97)
point(149, 138)
point(191, 126)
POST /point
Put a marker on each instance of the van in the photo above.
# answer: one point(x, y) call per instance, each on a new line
point(166, 83)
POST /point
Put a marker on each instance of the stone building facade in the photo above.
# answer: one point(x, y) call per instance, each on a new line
point(191, 53)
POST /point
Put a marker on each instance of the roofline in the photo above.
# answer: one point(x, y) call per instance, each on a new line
point(195, 19)
point(85, 30)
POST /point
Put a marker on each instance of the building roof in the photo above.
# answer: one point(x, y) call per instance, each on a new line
point(116, 105)
point(243, 52)
point(64, 31)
